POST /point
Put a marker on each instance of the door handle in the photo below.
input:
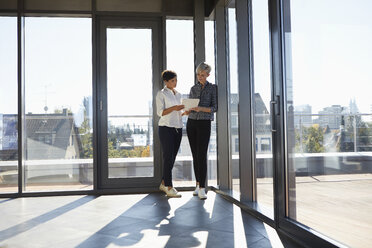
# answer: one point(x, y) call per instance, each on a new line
point(273, 110)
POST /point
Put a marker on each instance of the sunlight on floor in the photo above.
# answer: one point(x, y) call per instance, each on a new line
point(239, 232)
point(273, 237)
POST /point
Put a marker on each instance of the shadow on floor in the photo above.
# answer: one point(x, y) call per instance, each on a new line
point(156, 221)
point(6, 200)
point(29, 224)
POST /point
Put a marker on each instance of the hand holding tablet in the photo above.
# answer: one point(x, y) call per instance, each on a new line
point(190, 103)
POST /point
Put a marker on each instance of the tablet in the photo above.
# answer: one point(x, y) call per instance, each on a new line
point(190, 103)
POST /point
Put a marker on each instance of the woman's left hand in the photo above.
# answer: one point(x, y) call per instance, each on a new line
point(196, 109)
point(186, 113)
point(201, 109)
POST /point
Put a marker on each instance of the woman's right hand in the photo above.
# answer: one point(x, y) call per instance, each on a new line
point(173, 108)
point(179, 107)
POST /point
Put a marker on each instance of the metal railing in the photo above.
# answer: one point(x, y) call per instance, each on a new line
point(338, 122)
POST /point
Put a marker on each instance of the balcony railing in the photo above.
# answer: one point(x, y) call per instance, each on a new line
point(353, 130)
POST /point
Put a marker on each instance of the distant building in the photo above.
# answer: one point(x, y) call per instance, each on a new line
point(234, 123)
point(303, 116)
point(48, 136)
point(262, 125)
point(8, 137)
point(51, 136)
point(353, 108)
point(139, 139)
point(128, 145)
point(331, 117)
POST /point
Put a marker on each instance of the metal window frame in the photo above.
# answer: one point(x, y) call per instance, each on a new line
point(21, 93)
point(247, 187)
point(199, 34)
point(155, 24)
point(223, 130)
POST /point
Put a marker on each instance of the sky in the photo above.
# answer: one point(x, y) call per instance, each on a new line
point(58, 67)
point(329, 56)
point(180, 52)
point(54, 75)
point(8, 65)
point(129, 74)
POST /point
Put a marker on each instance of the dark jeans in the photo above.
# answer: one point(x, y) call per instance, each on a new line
point(170, 139)
point(199, 133)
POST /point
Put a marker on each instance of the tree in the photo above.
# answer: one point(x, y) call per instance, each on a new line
point(85, 133)
point(112, 152)
point(86, 139)
point(60, 110)
point(354, 125)
point(115, 136)
point(146, 152)
point(311, 141)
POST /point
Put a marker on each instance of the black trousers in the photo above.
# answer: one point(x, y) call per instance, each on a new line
point(199, 133)
point(170, 139)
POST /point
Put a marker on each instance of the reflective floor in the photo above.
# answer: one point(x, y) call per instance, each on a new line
point(146, 220)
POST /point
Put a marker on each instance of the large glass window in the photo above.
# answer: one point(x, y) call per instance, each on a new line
point(129, 132)
point(233, 99)
point(58, 147)
point(329, 128)
point(8, 106)
point(209, 58)
point(261, 105)
point(180, 58)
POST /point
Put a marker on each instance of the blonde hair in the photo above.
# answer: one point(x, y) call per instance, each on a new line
point(203, 67)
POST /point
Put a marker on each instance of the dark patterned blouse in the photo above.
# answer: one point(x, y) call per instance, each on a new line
point(207, 97)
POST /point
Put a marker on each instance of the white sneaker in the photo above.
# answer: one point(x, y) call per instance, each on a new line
point(162, 187)
point(196, 191)
point(172, 192)
point(202, 195)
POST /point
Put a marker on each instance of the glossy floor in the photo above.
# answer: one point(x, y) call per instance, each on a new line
point(142, 220)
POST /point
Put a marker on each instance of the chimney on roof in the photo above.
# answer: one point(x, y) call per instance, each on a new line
point(64, 112)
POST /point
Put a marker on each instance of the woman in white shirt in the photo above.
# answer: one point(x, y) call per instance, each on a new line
point(168, 106)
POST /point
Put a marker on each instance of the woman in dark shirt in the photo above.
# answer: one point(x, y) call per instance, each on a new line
point(199, 125)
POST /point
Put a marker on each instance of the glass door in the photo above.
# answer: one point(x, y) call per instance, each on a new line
point(262, 108)
point(129, 79)
point(329, 136)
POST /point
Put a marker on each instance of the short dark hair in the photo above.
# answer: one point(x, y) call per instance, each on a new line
point(167, 75)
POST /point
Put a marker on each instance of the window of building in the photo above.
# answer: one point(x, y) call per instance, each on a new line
point(236, 145)
point(210, 59)
point(261, 102)
point(265, 144)
point(58, 63)
point(329, 178)
point(182, 46)
point(233, 100)
point(8, 106)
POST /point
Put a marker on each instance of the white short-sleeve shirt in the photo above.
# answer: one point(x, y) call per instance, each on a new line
point(166, 99)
